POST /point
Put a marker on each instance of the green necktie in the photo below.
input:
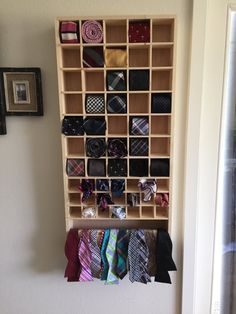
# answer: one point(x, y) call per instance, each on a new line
point(111, 257)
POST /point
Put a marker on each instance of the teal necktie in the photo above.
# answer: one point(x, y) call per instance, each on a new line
point(105, 265)
point(111, 257)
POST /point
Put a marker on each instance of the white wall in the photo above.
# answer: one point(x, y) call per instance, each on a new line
point(32, 230)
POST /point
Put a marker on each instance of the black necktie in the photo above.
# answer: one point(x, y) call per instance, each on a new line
point(117, 187)
point(95, 126)
point(116, 103)
point(95, 147)
point(161, 103)
point(160, 167)
point(72, 125)
point(139, 80)
point(116, 80)
point(96, 167)
point(116, 148)
point(138, 146)
point(117, 168)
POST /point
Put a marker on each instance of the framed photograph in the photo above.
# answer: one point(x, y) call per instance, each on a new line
point(21, 91)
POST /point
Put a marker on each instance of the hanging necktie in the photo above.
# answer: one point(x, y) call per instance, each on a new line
point(87, 187)
point(111, 257)
point(138, 257)
point(148, 187)
point(105, 265)
point(122, 252)
point(116, 103)
point(151, 243)
point(164, 259)
point(85, 257)
point(71, 253)
point(138, 146)
point(139, 126)
point(95, 254)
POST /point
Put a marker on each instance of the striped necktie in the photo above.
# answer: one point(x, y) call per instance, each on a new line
point(139, 126)
point(85, 257)
point(138, 257)
point(122, 253)
point(116, 103)
point(105, 265)
point(139, 146)
point(111, 257)
point(95, 254)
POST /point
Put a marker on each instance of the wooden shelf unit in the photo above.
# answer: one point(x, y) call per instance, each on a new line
point(75, 82)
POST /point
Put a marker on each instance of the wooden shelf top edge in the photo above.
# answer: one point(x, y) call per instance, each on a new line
point(104, 69)
point(154, 44)
point(118, 220)
point(116, 17)
point(115, 92)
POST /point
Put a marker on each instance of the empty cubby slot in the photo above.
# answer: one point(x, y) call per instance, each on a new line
point(75, 212)
point(162, 185)
point(75, 147)
point(161, 213)
point(150, 202)
point(117, 125)
point(160, 146)
point(139, 57)
point(73, 185)
point(94, 80)
point(72, 81)
point(133, 212)
point(75, 198)
point(71, 58)
point(90, 201)
point(138, 103)
point(119, 200)
point(116, 31)
point(103, 213)
point(161, 56)
point(161, 80)
point(162, 31)
point(148, 212)
point(73, 103)
point(160, 125)
point(132, 185)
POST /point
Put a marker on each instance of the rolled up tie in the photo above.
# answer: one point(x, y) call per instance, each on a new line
point(92, 32)
point(116, 148)
point(118, 212)
point(103, 200)
point(133, 199)
point(89, 212)
point(117, 187)
point(95, 147)
point(162, 199)
point(148, 187)
point(87, 187)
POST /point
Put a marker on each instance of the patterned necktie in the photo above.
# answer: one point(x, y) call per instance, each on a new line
point(94, 126)
point(116, 148)
point(111, 257)
point(95, 147)
point(69, 32)
point(151, 243)
point(75, 167)
point(93, 57)
point(85, 257)
point(161, 103)
point(122, 253)
point(138, 146)
point(72, 125)
point(139, 32)
point(117, 187)
point(139, 126)
point(95, 254)
point(148, 187)
point(105, 265)
point(71, 253)
point(95, 104)
point(116, 80)
point(116, 103)
point(138, 257)
point(117, 167)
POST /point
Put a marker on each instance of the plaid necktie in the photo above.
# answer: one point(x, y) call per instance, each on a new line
point(75, 167)
point(116, 80)
point(116, 103)
point(138, 257)
point(122, 253)
point(161, 103)
point(85, 257)
point(71, 253)
point(148, 187)
point(111, 257)
point(105, 265)
point(139, 126)
point(138, 146)
point(93, 57)
point(95, 254)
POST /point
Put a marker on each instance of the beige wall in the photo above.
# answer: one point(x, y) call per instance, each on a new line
point(32, 230)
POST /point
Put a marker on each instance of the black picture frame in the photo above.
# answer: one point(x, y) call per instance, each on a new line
point(21, 92)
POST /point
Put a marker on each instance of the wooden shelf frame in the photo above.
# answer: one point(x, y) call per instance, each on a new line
point(75, 81)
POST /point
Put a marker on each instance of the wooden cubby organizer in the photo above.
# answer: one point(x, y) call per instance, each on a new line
point(75, 81)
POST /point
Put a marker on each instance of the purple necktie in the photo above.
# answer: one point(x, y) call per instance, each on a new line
point(85, 257)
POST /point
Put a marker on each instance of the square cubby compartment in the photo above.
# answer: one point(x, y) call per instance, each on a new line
point(117, 125)
point(139, 56)
point(75, 198)
point(132, 185)
point(161, 80)
point(73, 103)
point(75, 211)
point(119, 200)
point(162, 56)
point(162, 185)
point(133, 212)
point(71, 57)
point(90, 201)
point(103, 213)
point(148, 212)
point(160, 125)
point(163, 31)
point(94, 80)
point(160, 146)
point(160, 167)
point(73, 185)
point(138, 103)
point(75, 147)
point(72, 81)
point(116, 31)
point(161, 213)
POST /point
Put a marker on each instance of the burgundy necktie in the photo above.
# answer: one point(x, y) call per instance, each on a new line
point(71, 252)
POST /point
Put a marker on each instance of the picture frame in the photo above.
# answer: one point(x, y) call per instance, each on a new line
point(21, 91)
